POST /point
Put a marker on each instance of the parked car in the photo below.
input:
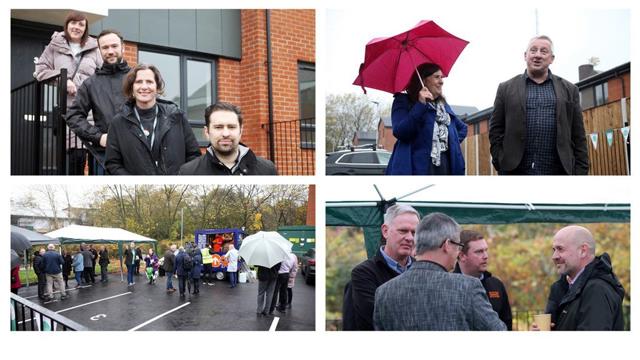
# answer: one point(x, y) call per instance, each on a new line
point(308, 266)
point(358, 161)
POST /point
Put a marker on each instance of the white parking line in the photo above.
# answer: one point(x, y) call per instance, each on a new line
point(93, 302)
point(274, 324)
point(158, 317)
point(85, 304)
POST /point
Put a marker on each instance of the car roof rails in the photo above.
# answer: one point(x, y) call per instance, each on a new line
point(362, 147)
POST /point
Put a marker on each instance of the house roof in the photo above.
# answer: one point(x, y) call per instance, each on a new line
point(605, 75)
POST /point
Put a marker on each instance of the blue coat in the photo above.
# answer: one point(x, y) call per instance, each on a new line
point(52, 262)
point(413, 127)
point(179, 260)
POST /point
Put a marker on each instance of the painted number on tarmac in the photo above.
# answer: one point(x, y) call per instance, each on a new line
point(97, 317)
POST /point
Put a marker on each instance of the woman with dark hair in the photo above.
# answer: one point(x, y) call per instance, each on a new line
point(149, 136)
point(428, 132)
point(72, 49)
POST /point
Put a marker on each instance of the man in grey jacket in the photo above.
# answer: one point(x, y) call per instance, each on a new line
point(427, 296)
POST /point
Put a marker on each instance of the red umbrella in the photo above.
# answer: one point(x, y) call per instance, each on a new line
point(390, 62)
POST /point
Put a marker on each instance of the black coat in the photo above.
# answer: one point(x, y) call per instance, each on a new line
point(268, 274)
point(497, 294)
point(37, 263)
point(102, 94)
point(365, 279)
point(169, 261)
point(128, 152)
point(594, 302)
point(249, 164)
point(104, 258)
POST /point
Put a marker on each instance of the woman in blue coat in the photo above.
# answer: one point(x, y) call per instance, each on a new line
point(196, 270)
point(415, 115)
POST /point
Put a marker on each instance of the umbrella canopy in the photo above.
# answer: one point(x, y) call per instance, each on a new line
point(15, 259)
point(265, 248)
point(33, 237)
point(390, 62)
point(19, 242)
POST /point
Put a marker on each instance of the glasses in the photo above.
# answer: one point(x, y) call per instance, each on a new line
point(461, 245)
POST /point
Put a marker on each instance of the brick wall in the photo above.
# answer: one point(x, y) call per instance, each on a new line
point(615, 87)
point(131, 53)
point(311, 206)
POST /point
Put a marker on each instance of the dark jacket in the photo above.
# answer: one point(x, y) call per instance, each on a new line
point(52, 262)
point(365, 279)
point(169, 261)
point(497, 294)
point(413, 125)
point(37, 263)
point(268, 274)
point(197, 265)
point(179, 260)
point(139, 256)
point(507, 129)
point(66, 267)
point(87, 257)
point(102, 94)
point(248, 164)
point(594, 302)
point(128, 152)
point(129, 257)
point(104, 258)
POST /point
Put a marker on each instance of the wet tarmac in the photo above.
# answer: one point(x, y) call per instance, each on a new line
point(116, 306)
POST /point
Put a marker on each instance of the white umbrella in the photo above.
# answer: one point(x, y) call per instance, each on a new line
point(265, 248)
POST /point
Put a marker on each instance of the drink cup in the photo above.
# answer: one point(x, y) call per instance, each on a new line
point(543, 321)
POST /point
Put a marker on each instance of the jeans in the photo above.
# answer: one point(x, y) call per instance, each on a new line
point(78, 277)
point(169, 275)
point(233, 278)
point(182, 280)
point(103, 272)
point(130, 274)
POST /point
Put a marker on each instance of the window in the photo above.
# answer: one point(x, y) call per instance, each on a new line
point(383, 157)
point(307, 104)
point(359, 158)
point(602, 93)
point(189, 82)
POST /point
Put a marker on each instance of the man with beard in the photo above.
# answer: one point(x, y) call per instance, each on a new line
point(473, 261)
point(226, 155)
point(391, 260)
point(102, 95)
point(588, 295)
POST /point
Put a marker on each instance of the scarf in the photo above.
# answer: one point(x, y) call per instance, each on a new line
point(440, 140)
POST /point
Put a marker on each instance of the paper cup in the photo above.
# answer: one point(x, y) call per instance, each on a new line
point(543, 321)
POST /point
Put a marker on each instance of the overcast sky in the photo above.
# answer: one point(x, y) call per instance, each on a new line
point(497, 40)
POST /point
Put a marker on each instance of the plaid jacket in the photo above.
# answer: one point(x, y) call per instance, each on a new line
point(427, 297)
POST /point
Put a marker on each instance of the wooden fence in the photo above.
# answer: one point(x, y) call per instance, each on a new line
point(603, 160)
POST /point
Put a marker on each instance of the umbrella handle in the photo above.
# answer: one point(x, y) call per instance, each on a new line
point(361, 79)
point(420, 78)
point(415, 67)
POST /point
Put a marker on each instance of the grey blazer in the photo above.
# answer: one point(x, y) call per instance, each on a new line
point(507, 131)
point(427, 297)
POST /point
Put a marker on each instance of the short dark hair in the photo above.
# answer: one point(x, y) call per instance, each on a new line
point(415, 85)
point(467, 236)
point(127, 86)
point(77, 16)
point(221, 106)
point(107, 32)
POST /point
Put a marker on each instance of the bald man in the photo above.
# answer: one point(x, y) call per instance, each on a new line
point(588, 295)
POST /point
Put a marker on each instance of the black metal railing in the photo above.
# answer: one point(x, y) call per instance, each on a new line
point(39, 136)
point(294, 143)
point(29, 316)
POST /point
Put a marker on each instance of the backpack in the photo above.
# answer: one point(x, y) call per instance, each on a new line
point(187, 262)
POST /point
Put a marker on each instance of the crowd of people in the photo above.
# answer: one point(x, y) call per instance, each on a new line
point(117, 112)
point(189, 264)
point(429, 274)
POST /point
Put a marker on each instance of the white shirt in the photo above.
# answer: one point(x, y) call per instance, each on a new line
point(232, 258)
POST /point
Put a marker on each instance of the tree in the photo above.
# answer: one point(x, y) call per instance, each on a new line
point(346, 115)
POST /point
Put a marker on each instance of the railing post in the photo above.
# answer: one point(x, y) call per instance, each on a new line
point(37, 132)
point(60, 123)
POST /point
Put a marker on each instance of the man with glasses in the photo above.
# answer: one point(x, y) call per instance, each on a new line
point(473, 261)
point(427, 296)
point(536, 126)
point(392, 259)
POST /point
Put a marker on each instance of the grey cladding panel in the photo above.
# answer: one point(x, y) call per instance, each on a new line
point(208, 32)
point(182, 29)
point(232, 30)
point(154, 25)
point(127, 22)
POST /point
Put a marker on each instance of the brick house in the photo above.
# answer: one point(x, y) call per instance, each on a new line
point(262, 60)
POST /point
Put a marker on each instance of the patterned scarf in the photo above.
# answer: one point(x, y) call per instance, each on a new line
point(440, 140)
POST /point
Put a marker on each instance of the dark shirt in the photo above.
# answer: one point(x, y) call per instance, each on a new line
point(540, 153)
point(147, 119)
